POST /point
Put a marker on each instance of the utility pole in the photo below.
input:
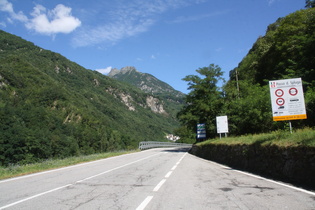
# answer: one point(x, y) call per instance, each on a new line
point(237, 86)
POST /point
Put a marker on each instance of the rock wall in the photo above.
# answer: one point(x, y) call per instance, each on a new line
point(290, 164)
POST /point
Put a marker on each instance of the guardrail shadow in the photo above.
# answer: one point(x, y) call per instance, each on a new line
point(183, 149)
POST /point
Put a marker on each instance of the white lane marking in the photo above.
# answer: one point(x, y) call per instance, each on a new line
point(64, 168)
point(262, 178)
point(168, 174)
point(58, 188)
point(275, 182)
point(157, 187)
point(35, 196)
point(144, 203)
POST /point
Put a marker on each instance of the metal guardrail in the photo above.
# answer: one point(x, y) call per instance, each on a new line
point(155, 144)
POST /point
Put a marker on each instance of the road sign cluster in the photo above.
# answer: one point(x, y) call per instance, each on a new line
point(287, 99)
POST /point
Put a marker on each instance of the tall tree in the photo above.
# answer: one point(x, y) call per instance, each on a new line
point(205, 99)
point(310, 3)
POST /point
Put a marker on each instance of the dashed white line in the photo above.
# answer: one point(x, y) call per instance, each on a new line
point(144, 203)
point(168, 174)
point(159, 185)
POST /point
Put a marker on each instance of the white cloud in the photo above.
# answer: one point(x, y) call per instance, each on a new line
point(43, 21)
point(6, 6)
point(129, 18)
point(58, 20)
point(104, 71)
point(111, 32)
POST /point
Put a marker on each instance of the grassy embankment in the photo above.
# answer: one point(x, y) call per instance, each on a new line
point(303, 137)
point(18, 170)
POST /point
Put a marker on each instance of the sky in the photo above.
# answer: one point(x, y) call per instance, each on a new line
point(169, 39)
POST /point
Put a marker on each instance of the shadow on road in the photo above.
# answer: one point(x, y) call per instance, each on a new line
point(185, 149)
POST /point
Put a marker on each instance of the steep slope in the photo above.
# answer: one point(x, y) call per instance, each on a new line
point(287, 50)
point(146, 82)
point(172, 98)
point(52, 107)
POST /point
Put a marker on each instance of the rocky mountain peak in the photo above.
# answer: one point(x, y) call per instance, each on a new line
point(123, 70)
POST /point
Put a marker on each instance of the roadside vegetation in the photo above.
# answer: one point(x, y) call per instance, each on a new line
point(14, 170)
point(52, 108)
point(282, 138)
point(286, 51)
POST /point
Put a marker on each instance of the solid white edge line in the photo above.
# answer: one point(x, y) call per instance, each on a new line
point(262, 178)
point(64, 168)
point(58, 188)
point(159, 185)
point(35, 196)
point(144, 203)
point(276, 182)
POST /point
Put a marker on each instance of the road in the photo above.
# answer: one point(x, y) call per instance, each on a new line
point(151, 179)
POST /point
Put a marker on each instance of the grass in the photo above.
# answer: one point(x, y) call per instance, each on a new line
point(302, 137)
point(18, 170)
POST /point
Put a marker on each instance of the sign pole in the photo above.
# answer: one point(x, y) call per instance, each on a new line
point(290, 126)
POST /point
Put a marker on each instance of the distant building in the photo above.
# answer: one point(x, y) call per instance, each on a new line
point(171, 137)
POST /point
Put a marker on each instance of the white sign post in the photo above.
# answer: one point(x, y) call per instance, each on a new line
point(222, 125)
point(287, 100)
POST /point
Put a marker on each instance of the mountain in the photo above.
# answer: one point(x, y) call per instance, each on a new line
point(151, 85)
point(52, 107)
point(146, 82)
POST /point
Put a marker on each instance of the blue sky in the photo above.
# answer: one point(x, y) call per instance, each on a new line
point(169, 39)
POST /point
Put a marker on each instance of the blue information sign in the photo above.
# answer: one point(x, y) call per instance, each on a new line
point(201, 131)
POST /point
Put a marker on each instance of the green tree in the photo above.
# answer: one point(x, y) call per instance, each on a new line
point(310, 3)
point(204, 101)
point(250, 110)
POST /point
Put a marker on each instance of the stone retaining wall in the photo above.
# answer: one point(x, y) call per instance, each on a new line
point(290, 164)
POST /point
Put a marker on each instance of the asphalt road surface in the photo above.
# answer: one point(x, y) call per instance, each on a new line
point(152, 179)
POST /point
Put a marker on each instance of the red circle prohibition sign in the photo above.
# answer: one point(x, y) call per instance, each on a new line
point(279, 92)
point(280, 101)
point(293, 91)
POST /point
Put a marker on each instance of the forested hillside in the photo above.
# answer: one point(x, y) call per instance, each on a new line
point(286, 51)
point(52, 107)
